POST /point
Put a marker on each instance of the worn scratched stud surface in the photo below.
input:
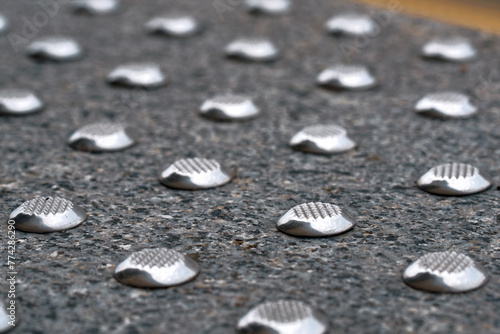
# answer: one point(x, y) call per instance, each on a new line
point(252, 49)
point(453, 48)
point(346, 77)
point(283, 317)
point(315, 220)
point(445, 105)
point(445, 272)
point(454, 179)
point(322, 139)
point(95, 7)
point(229, 108)
point(192, 174)
point(270, 7)
point(4, 23)
point(101, 137)
point(140, 75)
point(55, 48)
point(19, 102)
point(47, 214)
point(156, 268)
point(353, 24)
point(174, 25)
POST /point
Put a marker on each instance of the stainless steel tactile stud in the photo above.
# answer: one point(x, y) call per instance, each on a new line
point(352, 24)
point(449, 48)
point(283, 317)
point(4, 23)
point(55, 48)
point(174, 25)
point(141, 75)
point(229, 108)
point(454, 179)
point(47, 214)
point(95, 7)
point(315, 220)
point(322, 139)
point(19, 102)
point(445, 105)
point(100, 137)
point(193, 174)
point(252, 49)
point(270, 7)
point(347, 77)
point(156, 268)
point(445, 272)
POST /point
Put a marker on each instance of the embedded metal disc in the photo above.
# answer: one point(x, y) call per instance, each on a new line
point(322, 139)
point(283, 317)
point(351, 24)
point(95, 7)
point(55, 48)
point(19, 102)
point(252, 49)
point(450, 48)
point(454, 179)
point(142, 75)
point(47, 214)
point(346, 77)
point(270, 7)
point(315, 220)
point(229, 108)
point(4, 23)
point(173, 25)
point(192, 174)
point(156, 268)
point(445, 272)
point(445, 105)
point(100, 137)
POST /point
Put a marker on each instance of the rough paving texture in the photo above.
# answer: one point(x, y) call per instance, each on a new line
point(66, 282)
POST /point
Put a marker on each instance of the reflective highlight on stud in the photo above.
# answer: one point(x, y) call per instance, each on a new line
point(100, 137)
point(270, 7)
point(229, 108)
point(322, 139)
point(5, 319)
point(352, 24)
point(252, 49)
point(47, 214)
point(55, 48)
point(445, 272)
point(283, 317)
point(156, 268)
point(450, 48)
point(173, 25)
point(454, 179)
point(192, 174)
point(95, 7)
point(19, 102)
point(445, 105)
point(346, 77)
point(4, 23)
point(142, 75)
point(315, 220)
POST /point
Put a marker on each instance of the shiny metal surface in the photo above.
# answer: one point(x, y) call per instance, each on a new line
point(322, 139)
point(252, 49)
point(270, 7)
point(19, 102)
point(346, 77)
point(141, 75)
point(4, 23)
point(229, 108)
point(352, 24)
point(454, 179)
point(445, 105)
point(283, 317)
point(47, 214)
point(193, 174)
point(4, 319)
point(315, 220)
point(55, 48)
point(95, 7)
point(100, 137)
point(174, 25)
point(453, 48)
point(445, 272)
point(156, 268)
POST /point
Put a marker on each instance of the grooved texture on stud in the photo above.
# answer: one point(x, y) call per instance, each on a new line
point(45, 206)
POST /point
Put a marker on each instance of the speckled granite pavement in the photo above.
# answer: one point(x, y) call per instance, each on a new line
point(65, 280)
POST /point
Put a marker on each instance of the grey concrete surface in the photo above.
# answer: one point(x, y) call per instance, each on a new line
point(65, 280)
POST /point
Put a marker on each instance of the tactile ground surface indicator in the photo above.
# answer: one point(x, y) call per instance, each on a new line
point(66, 282)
